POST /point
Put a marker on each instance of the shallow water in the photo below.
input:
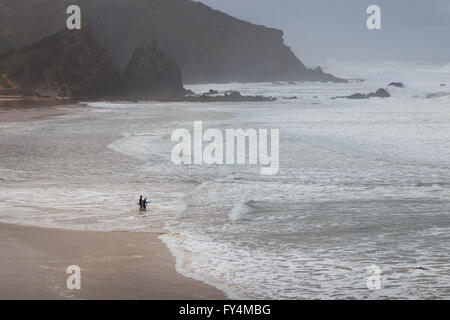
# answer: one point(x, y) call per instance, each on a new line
point(360, 183)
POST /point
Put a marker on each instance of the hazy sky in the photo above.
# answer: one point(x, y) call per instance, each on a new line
point(317, 30)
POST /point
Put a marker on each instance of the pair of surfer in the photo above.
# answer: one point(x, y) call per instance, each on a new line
point(143, 204)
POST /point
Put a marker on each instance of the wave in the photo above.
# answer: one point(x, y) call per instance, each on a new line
point(437, 95)
point(239, 211)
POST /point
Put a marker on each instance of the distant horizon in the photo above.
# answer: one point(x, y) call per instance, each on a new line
point(411, 30)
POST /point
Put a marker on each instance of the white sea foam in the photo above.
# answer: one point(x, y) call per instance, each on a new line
point(360, 183)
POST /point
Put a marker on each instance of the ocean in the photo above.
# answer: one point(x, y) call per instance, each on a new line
point(361, 183)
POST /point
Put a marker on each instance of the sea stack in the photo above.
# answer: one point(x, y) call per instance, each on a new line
point(152, 72)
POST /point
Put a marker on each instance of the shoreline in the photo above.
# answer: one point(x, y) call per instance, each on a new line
point(114, 265)
point(16, 109)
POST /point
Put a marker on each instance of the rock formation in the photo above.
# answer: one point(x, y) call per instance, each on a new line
point(380, 93)
point(208, 45)
point(68, 63)
point(72, 64)
point(152, 72)
point(229, 96)
point(396, 84)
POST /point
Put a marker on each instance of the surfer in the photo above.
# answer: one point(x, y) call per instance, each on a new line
point(141, 204)
point(144, 205)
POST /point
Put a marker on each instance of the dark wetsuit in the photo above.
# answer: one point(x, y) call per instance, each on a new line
point(140, 203)
point(144, 205)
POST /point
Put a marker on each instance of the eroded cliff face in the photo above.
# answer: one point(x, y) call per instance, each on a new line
point(68, 63)
point(152, 72)
point(73, 64)
point(208, 45)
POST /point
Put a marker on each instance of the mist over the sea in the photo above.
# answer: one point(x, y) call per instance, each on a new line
point(330, 29)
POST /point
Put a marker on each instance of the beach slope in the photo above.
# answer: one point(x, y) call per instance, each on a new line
point(114, 265)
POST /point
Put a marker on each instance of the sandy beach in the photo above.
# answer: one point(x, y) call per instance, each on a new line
point(114, 265)
point(15, 109)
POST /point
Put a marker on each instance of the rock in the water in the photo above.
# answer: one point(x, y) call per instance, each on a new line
point(228, 96)
point(380, 93)
point(211, 92)
point(151, 72)
point(396, 84)
point(69, 63)
point(357, 96)
point(319, 75)
point(233, 94)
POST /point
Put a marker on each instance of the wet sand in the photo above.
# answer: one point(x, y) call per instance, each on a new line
point(114, 265)
point(16, 109)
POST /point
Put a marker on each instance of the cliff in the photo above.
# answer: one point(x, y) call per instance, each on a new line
point(152, 72)
point(208, 45)
point(68, 63)
point(73, 64)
